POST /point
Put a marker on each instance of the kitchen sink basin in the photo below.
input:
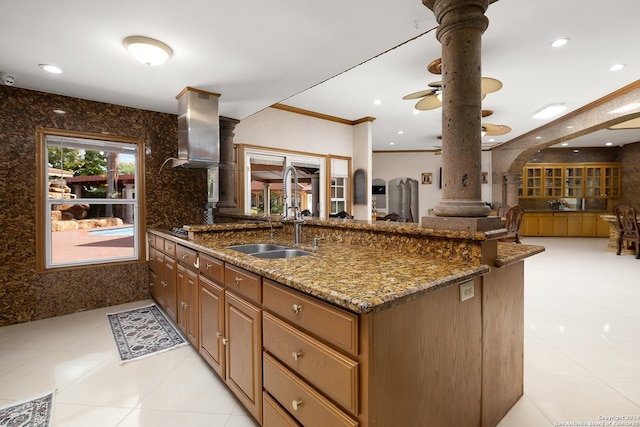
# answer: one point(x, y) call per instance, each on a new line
point(256, 248)
point(269, 250)
point(281, 253)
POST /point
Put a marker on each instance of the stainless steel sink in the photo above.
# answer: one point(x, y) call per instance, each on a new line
point(282, 253)
point(268, 250)
point(256, 248)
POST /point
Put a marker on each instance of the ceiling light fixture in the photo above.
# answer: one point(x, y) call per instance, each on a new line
point(616, 67)
point(560, 42)
point(550, 111)
point(50, 68)
point(564, 144)
point(147, 50)
point(400, 132)
point(377, 102)
point(416, 112)
point(609, 144)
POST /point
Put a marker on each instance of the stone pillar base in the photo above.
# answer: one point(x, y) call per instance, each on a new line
point(488, 223)
point(462, 208)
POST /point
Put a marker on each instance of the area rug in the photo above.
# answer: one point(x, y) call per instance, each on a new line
point(143, 332)
point(29, 413)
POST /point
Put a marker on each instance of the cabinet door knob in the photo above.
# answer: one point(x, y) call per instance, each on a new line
point(296, 403)
point(296, 355)
point(225, 341)
point(218, 334)
point(184, 256)
point(297, 308)
point(238, 280)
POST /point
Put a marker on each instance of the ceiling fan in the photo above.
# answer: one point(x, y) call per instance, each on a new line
point(432, 97)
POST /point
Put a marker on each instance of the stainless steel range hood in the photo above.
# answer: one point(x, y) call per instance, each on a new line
point(198, 129)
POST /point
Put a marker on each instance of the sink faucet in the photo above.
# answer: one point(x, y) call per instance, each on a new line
point(297, 217)
point(297, 226)
point(285, 190)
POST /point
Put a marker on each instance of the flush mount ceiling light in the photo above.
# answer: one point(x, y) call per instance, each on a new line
point(560, 42)
point(147, 50)
point(550, 111)
point(50, 68)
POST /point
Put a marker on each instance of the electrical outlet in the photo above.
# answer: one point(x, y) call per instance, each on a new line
point(466, 290)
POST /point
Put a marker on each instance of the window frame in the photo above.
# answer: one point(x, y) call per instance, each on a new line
point(43, 222)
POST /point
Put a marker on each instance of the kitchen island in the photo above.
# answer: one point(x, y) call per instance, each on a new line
point(383, 324)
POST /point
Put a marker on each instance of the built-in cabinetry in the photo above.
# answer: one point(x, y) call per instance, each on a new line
point(162, 275)
point(187, 291)
point(571, 180)
point(576, 224)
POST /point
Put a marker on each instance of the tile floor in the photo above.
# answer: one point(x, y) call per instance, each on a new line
point(582, 356)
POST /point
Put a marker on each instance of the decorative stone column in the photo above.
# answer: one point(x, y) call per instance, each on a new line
point(462, 23)
point(227, 165)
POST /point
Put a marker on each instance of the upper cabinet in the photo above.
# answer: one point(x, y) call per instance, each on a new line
point(575, 180)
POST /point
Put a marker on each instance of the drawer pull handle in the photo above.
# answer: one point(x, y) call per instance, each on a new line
point(295, 404)
point(163, 284)
point(297, 308)
point(238, 280)
point(218, 334)
point(296, 356)
point(208, 266)
point(184, 256)
point(224, 341)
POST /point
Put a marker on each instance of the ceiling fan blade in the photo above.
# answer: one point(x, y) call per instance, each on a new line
point(420, 94)
point(490, 85)
point(428, 103)
point(495, 129)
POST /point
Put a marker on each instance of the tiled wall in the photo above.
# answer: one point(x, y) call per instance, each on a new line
point(173, 197)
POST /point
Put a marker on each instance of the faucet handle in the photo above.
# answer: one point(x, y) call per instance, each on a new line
point(315, 242)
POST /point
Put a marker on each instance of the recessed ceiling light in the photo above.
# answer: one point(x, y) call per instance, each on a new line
point(609, 144)
point(564, 144)
point(492, 140)
point(147, 50)
point(570, 127)
point(616, 67)
point(550, 111)
point(416, 112)
point(538, 137)
point(576, 151)
point(392, 143)
point(377, 102)
point(560, 42)
point(50, 68)
point(400, 132)
point(626, 108)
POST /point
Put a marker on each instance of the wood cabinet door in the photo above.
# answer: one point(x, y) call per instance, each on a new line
point(545, 225)
point(243, 336)
point(187, 291)
point(211, 303)
point(169, 284)
point(530, 224)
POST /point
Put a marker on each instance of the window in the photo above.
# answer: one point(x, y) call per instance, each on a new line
point(88, 199)
point(338, 195)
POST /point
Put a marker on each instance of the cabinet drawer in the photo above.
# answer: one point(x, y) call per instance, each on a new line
point(273, 415)
point(212, 268)
point(169, 248)
point(243, 282)
point(152, 259)
point(337, 326)
point(187, 257)
point(312, 360)
point(304, 403)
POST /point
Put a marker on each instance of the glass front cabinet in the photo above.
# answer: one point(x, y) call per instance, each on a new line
point(571, 180)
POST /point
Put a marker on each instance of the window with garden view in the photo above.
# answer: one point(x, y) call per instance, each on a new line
point(89, 188)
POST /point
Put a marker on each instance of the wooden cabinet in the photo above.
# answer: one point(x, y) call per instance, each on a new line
point(211, 301)
point(571, 180)
point(305, 339)
point(162, 274)
point(576, 224)
point(243, 342)
point(187, 289)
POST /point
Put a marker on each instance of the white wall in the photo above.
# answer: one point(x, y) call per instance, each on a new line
point(389, 165)
point(278, 129)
